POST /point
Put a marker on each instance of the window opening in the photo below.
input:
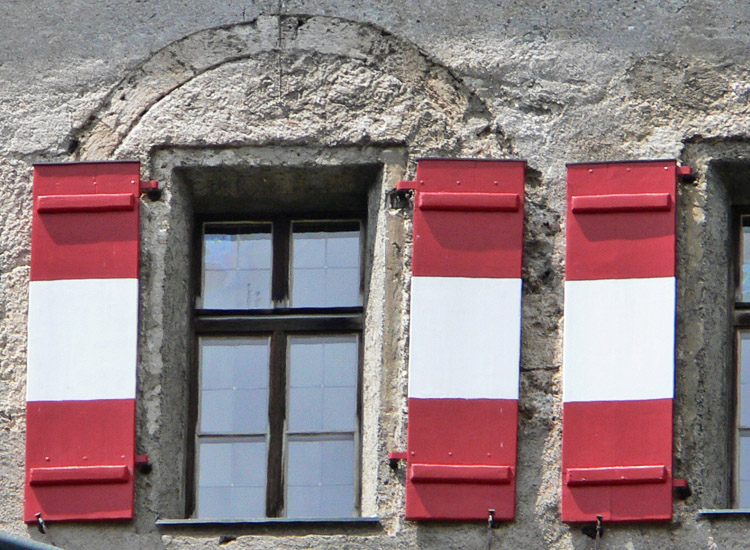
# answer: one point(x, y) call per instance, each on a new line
point(742, 335)
point(278, 326)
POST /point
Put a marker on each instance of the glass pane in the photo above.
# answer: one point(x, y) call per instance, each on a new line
point(325, 269)
point(322, 384)
point(744, 488)
point(234, 385)
point(237, 268)
point(309, 250)
point(343, 249)
point(744, 357)
point(220, 252)
point(308, 287)
point(342, 287)
point(231, 479)
point(254, 251)
point(744, 458)
point(745, 274)
point(320, 478)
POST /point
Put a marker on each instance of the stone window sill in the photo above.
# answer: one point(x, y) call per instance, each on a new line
point(288, 526)
point(715, 513)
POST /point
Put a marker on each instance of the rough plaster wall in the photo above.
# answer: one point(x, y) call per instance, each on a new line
point(15, 226)
point(549, 81)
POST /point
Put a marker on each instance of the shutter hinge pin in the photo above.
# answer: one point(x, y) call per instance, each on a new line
point(150, 188)
point(599, 532)
point(40, 523)
point(491, 522)
point(394, 457)
point(595, 531)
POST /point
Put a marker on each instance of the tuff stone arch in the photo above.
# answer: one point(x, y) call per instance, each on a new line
point(295, 80)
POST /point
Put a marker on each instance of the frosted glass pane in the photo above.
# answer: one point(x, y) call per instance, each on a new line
point(744, 487)
point(251, 365)
point(325, 269)
point(237, 271)
point(232, 479)
point(255, 289)
point(214, 502)
point(308, 287)
point(215, 464)
point(254, 251)
point(342, 287)
point(745, 405)
point(745, 282)
point(222, 290)
point(337, 501)
point(304, 463)
point(339, 410)
point(249, 464)
point(228, 363)
point(309, 250)
point(220, 252)
point(320, 478)
point(306, 358)
point(341, 359)
point(235, 411)
point(744, 466)
point(303, 501)
point(744, 357)
point(306, 409)
point(248, 502)
point(234, 385)
point(343, 249)
point(337, 459)
point(322, 384)
point(217, 366)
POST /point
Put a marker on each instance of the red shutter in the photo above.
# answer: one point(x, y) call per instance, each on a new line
point(618, 367)
point(464, 339)
point(83, 312)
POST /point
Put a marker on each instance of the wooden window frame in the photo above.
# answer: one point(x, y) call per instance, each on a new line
point(277, 323)
point(740, 323)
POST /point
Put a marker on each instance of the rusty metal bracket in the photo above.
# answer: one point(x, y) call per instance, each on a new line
point(595, 530)
point(40, 523)
point(681, 488)
point(151, 189)
point(685, 174)
point(142, 464)
point(492, 523)
point(394, 457)
point(400, 198)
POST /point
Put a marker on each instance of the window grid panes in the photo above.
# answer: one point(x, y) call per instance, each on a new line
point(325, 268)
point(232, 426)
point(742, 409)
point(744, 290)
point(237, 266)
point(277, 406)
point(321, 424)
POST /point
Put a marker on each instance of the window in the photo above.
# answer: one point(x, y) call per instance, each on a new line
point(279, 326)
point(742, 335)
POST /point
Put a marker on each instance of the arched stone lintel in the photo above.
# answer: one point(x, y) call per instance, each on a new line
point(181, 62)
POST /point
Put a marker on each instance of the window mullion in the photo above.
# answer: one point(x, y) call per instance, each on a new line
point(276, 417)
point(280, 276)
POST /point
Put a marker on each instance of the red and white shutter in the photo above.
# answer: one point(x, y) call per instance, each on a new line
point(82, 342)
point(618, 366)
point(464, 339)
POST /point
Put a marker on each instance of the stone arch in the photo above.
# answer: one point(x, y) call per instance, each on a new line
point(291, 79)
point(209, 116)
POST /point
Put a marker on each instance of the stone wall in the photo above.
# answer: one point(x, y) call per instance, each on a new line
point(211, 93)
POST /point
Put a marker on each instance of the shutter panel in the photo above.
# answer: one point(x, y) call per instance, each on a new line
point(465, 339)
point(618, 365)
point(82, 345)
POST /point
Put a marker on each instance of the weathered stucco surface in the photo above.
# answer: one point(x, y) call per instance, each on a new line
point(231, 87)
